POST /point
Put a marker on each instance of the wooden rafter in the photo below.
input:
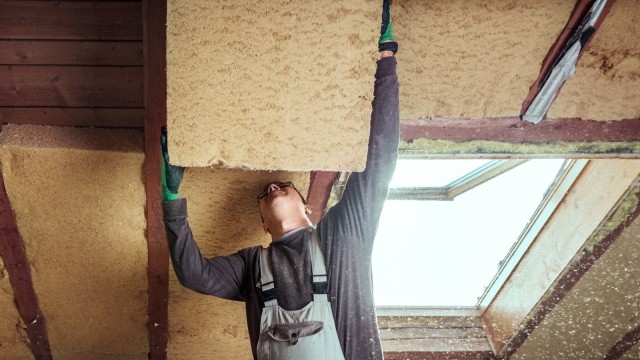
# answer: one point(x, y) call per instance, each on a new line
point(513, 130)
point(17, 264)
point(155, 95)
point(628, 341)
point(579, 11)
point(320, 186)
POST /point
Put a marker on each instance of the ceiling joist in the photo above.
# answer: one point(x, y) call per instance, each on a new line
point(155, 99)
point(513, 130)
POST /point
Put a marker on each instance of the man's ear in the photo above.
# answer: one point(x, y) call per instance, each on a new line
point(307, 210)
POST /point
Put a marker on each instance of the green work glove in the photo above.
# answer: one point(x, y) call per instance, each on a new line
point(386, 32)
point(171, 174)
point(386, 42)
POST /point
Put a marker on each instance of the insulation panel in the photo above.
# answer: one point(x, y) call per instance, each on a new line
point(271, 85)
point(78, 196)
point(472, 59)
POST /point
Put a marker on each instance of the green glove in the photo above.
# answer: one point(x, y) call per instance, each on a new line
point(171, 174)
point(386, 32)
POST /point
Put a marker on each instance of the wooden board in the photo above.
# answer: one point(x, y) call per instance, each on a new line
point(64, 86)
point(78, 20)
point(123, 118)
point(46, 52)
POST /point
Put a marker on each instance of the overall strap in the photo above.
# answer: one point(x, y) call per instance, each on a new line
point(266, 279)
point(320, 283)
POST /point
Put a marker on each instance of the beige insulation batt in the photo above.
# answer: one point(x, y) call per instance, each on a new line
point(478, 59)
point(79, 199)
point(224, 217)
point(14, 343)
point(606, 85)
point(271, 84)
point(472, 59)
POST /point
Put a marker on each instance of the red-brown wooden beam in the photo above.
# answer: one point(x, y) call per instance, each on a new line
point(513, 130)
point(566, 284)
point(579, 11)
point(17, 265)
point(71, 20)
point(155, 95)
point(627, 342)
point(320, 186)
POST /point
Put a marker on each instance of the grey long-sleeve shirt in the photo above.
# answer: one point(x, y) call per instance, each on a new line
point(346, 235)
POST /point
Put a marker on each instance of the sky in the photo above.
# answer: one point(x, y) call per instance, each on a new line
point(444, 253)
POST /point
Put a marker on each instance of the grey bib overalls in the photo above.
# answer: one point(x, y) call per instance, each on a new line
point(308, 333)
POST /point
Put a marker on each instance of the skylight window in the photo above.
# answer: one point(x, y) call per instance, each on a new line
point(445, 253)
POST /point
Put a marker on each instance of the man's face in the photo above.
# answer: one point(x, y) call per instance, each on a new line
point(280, 199)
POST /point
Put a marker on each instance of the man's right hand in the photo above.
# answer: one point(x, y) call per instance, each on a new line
point(171, 174)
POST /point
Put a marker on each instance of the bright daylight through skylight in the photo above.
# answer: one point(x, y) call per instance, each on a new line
point(444, 253)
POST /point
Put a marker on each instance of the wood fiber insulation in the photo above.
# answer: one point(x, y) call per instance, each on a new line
point(14, 343)
point(271, 85)
point(594, 315)
point(78, 196)
point(472, 59)
point(224, 217)
point(606, 85)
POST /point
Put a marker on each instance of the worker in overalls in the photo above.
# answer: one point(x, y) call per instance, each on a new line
point(309, 295)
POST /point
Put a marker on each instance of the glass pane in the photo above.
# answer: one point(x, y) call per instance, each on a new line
point(432, 173)
point(443, 253)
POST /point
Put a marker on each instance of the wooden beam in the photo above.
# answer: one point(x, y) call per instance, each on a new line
point(71, 20)
point(155, 100)
point(95, 117)
point(320, 186)
point(71, 86)
point(579, 11)
point(17, 265)
point(44, 52)
point(513, 130)
point(627, 342)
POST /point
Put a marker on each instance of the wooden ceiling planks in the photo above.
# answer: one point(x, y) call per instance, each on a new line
point(85, 73)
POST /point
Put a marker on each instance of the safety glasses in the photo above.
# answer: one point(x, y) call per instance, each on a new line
point(280, 185)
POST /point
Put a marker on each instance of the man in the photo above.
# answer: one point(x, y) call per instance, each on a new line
point(288, 314)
